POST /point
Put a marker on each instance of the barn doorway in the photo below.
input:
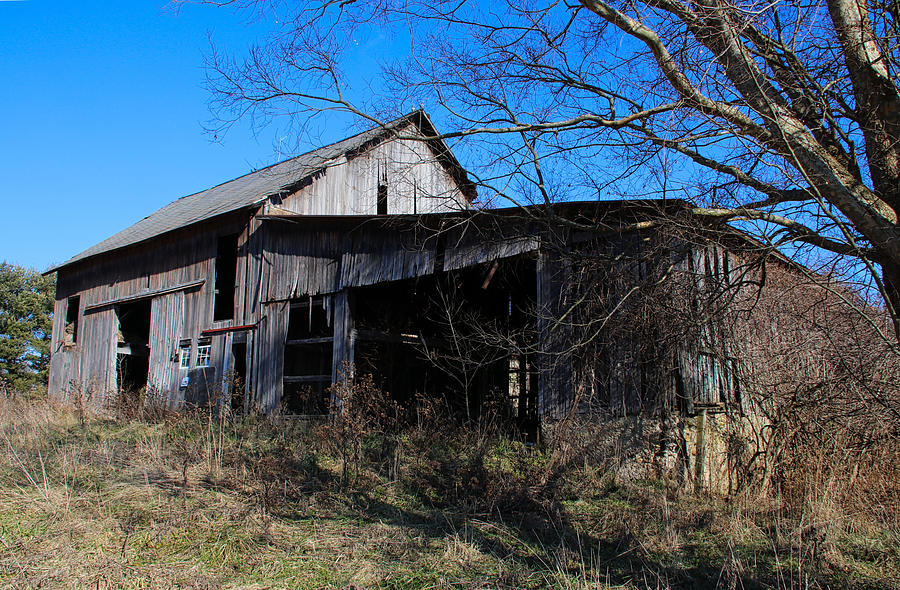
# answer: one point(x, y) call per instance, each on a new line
point(238, 376)
point(133, 346)
point(463, 338)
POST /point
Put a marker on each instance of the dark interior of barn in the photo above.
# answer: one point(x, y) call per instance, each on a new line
point(132, 346)
point(465, 338)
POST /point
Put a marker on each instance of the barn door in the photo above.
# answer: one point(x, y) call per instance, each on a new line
point(166, 329)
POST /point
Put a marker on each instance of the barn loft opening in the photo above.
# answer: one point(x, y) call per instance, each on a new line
point(73, 305)
point(226, 275)
point(133, 345)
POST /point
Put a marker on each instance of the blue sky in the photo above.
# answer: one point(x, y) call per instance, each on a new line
point(102, 111)
point(102, 118)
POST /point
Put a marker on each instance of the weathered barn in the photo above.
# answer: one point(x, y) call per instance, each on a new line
point(368, 255)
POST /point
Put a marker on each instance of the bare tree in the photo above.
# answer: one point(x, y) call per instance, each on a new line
point(783, 116)
point(471, 343)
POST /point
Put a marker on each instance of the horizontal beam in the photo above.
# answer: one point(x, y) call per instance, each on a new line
point(395, 338)
point(129, 349)
point(213, 331)
point(146, 295)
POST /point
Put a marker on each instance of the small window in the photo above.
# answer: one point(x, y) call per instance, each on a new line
point(203, 352)
point(184, 355)
point(72, 309)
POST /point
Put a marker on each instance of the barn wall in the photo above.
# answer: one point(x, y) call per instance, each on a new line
point(384, 254)
point(295, 261)
point(299, 258)
point(85, 369)
point(174, 259)
point(416, 183)
point(65, 362)
point(705, 362)
point(631, 355)
point(269, 367)
point(98, 357)
point(554, 338)
point(184, 262)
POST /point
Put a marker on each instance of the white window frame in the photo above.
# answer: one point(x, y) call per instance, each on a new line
point(184, 355)
point(204, 351)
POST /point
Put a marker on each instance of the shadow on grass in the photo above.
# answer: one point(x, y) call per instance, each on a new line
point(520, 526)
point(457, 492)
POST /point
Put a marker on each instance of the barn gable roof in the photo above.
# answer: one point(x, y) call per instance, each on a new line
point(254, 188)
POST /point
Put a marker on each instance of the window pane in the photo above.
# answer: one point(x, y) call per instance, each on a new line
point(185, 356)
point(203, 351)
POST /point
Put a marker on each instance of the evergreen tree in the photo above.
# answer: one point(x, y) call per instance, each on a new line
point(26, 317)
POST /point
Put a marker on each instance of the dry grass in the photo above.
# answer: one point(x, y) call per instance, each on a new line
point(194, 502)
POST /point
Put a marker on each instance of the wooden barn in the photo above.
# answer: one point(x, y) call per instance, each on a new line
point(368, 255)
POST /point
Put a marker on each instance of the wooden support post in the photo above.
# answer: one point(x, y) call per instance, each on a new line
point(250, 360)
point(226, 381)
point(343, 351)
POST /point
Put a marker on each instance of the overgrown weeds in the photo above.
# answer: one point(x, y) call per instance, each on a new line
point(199, 500)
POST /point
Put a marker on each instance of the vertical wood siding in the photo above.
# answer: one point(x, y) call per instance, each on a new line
point(382, 255)
point(344, 340)
point(175, 259)
point(621, 370)
point(705, 362)
point(416, 182)
point(554, 389)
point(65, 365)
point(272, 335)
point(166, 330)
point(97, 350)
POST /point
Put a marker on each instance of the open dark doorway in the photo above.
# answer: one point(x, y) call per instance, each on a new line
point(463, 338)
point(239, 376)
point(133, 345)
